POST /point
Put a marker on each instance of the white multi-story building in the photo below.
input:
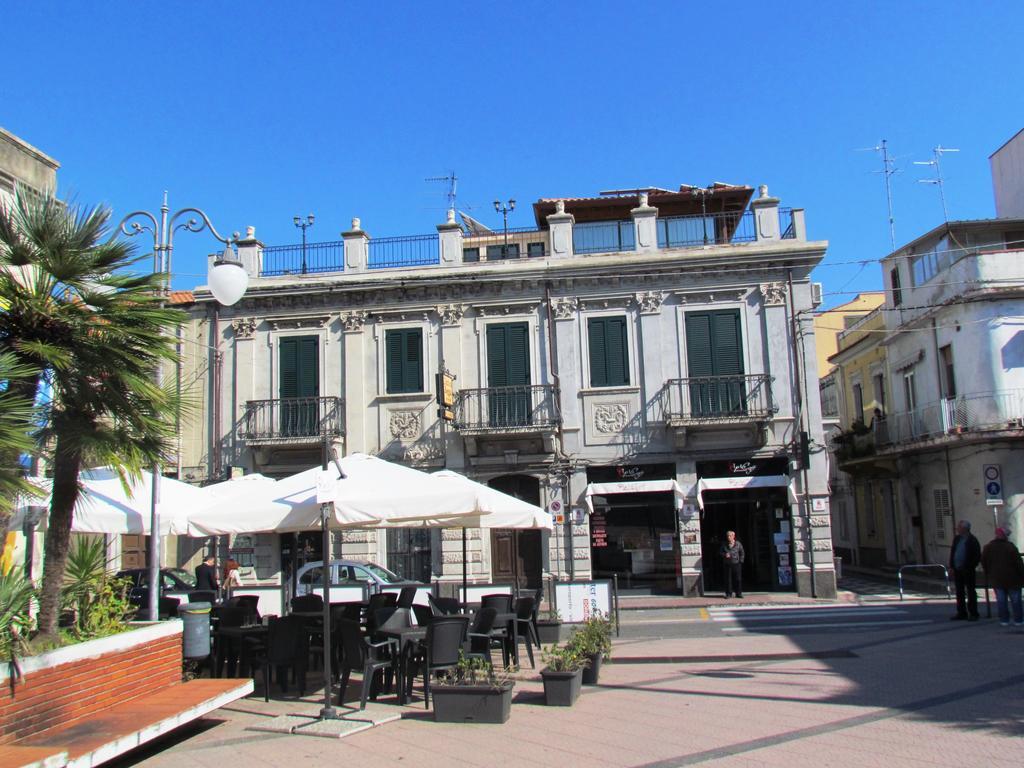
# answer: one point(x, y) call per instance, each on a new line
point(24, 167)
point(646, 359)
point(954, 316)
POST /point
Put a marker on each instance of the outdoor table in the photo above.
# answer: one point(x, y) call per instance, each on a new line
point(407, 638)
point(236, 637)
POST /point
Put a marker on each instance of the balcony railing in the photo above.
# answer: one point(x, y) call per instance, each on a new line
point(522, 243)
point(292, 419)
point(502, 409)
point(290, 259)
point(712, 229)
point(718, 399)
point(787, 227)
point(986, 411)
point(603, 237)
point(410, 251)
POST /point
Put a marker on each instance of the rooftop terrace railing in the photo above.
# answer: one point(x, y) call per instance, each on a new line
point(409, 251)
point(521, 243)
point(603, 237)
point(712, 229)
point(294, 260)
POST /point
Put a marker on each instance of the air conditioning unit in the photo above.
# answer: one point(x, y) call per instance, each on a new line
point(817, 294)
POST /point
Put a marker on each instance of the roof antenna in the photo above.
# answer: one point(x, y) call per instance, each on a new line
point(889, 169)
point(452, 180)
point(936, 157)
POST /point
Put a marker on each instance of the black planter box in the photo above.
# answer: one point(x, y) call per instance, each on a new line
point(592, 672)
point(561, 689)
point(472, 703)
point(550, 632)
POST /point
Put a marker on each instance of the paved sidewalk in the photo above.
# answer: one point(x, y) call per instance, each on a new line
point(938, 694)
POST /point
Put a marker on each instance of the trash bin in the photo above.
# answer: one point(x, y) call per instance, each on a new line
point(838, 563)
point(196, 632)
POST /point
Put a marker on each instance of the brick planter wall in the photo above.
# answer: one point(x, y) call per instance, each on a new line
point(68, 684)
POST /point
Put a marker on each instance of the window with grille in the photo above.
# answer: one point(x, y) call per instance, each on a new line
point(943, 512)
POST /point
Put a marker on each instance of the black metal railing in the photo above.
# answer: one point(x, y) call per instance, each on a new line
point(292, 418)
point(408, 251)
point(521, 243)
point(720, 398)
point(787, 227)
point(502, 408)
point(603, 237)
point(712, 229)
point(294, 260)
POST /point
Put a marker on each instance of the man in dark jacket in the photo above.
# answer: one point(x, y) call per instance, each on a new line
point(1005, 573)
point(206, 575)
point(964, 556)
point(732, 557)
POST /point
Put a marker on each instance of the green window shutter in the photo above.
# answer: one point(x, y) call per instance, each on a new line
point(289, 369)
point(404, 351)
point(497, 375)
point(508, 354)
point(727, 346)
point(597, 342)
point(617, 351)
point(699, 359)
point(308, 378)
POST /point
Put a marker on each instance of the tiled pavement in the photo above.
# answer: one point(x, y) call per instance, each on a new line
point(938, 693)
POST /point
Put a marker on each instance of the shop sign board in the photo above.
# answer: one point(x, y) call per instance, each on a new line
point(598, 530)
point(578, 601)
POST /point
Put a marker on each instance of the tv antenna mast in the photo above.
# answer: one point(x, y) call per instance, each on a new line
point(889, 169)
point(452, 181)
point(936, 161)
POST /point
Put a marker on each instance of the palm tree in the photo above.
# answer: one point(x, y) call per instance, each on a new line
point(15, 437)
point(94, 334)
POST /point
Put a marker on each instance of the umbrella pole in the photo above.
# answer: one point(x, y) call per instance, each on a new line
point(464, 579)
point(328, 712)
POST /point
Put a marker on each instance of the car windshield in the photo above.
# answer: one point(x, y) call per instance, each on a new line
point(183, 576)
point(382, 573)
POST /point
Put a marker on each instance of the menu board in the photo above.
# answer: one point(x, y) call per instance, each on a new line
point(598, 530)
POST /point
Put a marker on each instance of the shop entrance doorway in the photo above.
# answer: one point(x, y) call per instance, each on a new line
point(761, 519)
point(635, 536)
point(516, 556)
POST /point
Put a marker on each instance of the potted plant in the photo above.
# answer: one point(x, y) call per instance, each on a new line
point(473, 692)
point(562, 675)
point(592, 640)
point(549, 629)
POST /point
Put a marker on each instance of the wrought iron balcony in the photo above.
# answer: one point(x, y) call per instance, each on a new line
point(294, 420)
point(507, 409)
point(719, 399)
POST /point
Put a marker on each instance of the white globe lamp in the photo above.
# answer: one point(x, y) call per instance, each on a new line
point(228, 278)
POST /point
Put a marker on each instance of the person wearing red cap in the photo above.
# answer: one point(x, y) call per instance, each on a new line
point(1005, 572)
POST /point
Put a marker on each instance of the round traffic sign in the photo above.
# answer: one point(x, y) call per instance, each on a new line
point(993, 488)
point(991, 472)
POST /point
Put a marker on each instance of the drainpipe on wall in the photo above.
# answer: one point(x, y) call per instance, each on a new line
point(806, 497)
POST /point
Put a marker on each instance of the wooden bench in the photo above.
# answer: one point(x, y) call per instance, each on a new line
point(105, 735)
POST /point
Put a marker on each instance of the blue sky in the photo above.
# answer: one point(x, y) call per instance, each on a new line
point(257, 112)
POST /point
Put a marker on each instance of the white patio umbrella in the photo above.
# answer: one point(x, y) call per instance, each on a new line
point(105, 506)
point(373, 493)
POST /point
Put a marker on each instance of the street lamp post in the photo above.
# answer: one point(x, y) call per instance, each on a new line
point(303, 225)
point(703, 193)
point(505, 209)
point(228, 281)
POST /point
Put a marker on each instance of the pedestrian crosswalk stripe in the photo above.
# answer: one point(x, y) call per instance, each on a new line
point(817, 625)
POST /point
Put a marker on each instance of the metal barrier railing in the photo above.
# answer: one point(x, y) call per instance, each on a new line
point(945, 573)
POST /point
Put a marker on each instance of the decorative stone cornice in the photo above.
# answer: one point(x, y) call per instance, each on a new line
point(451, 314)
point(711, 296)
point(650, 302)
point(352, 322)
point(774, 294)
point(297, 323)
point(500, 310)
point(607, 302)
point(819, 521)
point(244, 327)
point(565, 308)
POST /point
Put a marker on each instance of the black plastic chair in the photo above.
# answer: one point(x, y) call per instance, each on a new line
point(388, 618)
point(377, 601)
point(479, 638)
point(423, 613)
point(287, 648)
point(525, 610)
point(501, 603)
point(446, 637)
point(357, 652)
point(444, 606)
point(251, 605)
point(202, 596)
point(406, 597)
point(307, 603)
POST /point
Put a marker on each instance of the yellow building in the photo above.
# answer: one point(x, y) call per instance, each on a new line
point(864, 395)
point(828, 325)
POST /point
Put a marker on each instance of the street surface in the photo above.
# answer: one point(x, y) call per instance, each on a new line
point(849, 683)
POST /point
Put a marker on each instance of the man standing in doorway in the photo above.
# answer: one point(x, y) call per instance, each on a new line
point(732, 557)
point(964, 556)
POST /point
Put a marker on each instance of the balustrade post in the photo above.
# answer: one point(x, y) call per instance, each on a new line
point(560, 225)
point(766, 215)
point(449, 237)
point(645, 225)
point(250, 253)
point(357, 248)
